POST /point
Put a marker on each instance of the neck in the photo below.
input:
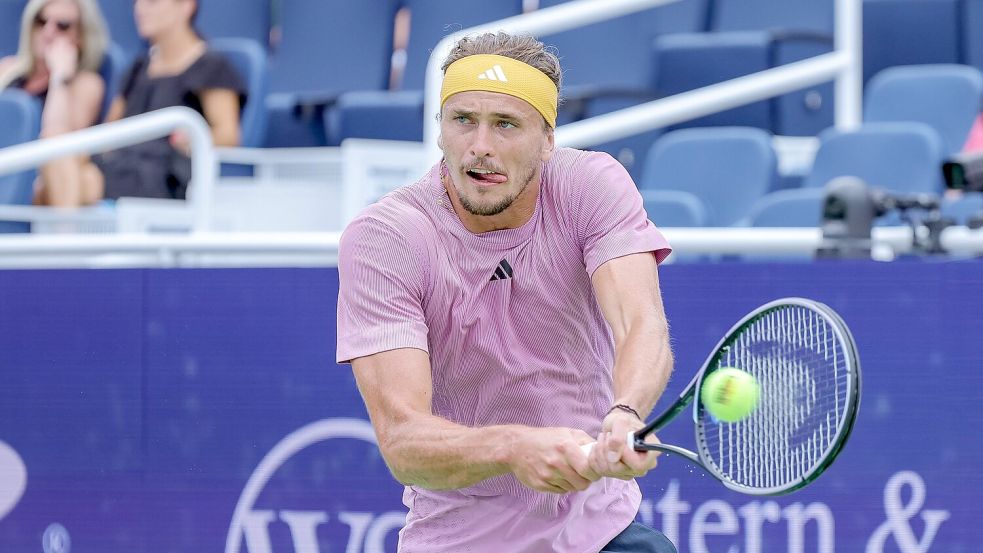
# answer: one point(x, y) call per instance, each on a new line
point(174, 46)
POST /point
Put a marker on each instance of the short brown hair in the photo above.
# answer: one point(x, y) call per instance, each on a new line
point(524, 48)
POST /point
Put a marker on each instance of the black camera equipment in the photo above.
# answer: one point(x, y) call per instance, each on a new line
point(964, 172)
point(850, 208)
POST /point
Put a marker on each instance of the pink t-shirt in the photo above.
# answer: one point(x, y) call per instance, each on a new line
point(514, 334)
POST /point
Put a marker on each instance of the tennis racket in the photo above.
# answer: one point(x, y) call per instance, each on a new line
point(805, 361)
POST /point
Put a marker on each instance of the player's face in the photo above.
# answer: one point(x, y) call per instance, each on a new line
point(494, 146)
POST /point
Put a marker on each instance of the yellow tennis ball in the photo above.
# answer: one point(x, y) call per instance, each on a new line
point(729, 394)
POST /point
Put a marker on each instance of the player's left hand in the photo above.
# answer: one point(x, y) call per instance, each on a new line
point(612, 454)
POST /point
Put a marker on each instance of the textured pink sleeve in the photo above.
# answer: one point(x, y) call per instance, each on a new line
point(612, 222)
point(380, 295)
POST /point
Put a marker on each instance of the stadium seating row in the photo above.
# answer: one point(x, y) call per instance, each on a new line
point(696, 42)
point(726, 176)
point(914, 118)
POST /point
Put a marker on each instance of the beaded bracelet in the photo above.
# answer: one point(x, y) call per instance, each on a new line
point(626, 409)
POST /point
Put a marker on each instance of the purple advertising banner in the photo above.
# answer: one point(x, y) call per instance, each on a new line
point(201, 410)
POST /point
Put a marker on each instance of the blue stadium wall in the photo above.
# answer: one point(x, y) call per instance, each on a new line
point(201, 410)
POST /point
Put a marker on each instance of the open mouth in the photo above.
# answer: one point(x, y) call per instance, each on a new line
point(486, 176)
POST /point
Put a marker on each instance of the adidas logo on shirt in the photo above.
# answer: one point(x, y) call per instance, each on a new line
point(494, 74)
point(502, 272)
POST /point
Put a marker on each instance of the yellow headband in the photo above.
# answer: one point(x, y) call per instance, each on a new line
point(494, 73)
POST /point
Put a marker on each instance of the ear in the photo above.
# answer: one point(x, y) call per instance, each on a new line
point(440, 142)
point(548, 145)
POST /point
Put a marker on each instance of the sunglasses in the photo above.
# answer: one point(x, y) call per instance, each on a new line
point(62, 25)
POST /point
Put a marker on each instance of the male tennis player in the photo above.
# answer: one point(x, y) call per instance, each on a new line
point(500, 313)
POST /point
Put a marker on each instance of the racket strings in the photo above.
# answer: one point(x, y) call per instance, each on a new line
point(797, 358)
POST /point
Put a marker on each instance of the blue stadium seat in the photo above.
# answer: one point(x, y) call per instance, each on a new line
point(747, 37)
point(727, 168)
point(122, 27)
point(328, 47)
point(788, 208)
point(687, 61)
point(398, 115)
point(899, 157)
point(432, 20)
point(621, 73)
point(755, 15)
point(808, 111)
point(21, 116)
point(630, 151)
point(909, 32)
point(615, 55)
point(380, 114)
point(971, 21)
point(114, 66)
point(963, 208)
point(10, 14)
point(249, 59)
point(674, 208)
point(944, 96)
point(239, 19)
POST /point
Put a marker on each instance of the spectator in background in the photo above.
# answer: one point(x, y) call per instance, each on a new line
point(62, 43)
point(974, 142)
point(177, 70)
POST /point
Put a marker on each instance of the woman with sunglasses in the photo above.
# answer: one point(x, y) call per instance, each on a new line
point(62, 43)
point(177, 70)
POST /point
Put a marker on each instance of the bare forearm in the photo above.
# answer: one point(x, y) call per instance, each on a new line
point(56, 119)
point(642, 367)
point(435, 453)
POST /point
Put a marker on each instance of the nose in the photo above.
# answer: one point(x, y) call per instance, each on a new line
point(49, 30)
point(481, 146)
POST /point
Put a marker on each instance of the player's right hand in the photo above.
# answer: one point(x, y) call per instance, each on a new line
point(613, 455)
point(551, 460)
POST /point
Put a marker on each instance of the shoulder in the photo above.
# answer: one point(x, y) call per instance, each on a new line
point(570, 175)
point(7, 62)
point(213, 64)
point(139, 63)
point(387, 238)
point(88, 80)
point(8, 65)
point(397, 217)
point(136, 69)
point(574, 170)
point(399, 220)
point(212, 59)
point(213, 70)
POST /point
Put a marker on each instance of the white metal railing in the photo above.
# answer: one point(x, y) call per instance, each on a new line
point(126, 132)
point(843, 64)
point(299, 249)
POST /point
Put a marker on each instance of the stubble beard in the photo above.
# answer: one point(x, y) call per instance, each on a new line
point(482, 210)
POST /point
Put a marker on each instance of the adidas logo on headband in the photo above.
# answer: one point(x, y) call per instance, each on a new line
point(494, 74)
point(487, 72)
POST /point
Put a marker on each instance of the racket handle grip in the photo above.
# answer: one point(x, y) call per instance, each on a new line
point(587, 448)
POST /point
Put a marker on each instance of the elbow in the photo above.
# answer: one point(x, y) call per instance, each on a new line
point(395, 458)
point(410, 469)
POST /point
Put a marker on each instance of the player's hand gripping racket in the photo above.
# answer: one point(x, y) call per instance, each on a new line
point(805, 362)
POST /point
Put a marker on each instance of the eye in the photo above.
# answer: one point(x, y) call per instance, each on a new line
point(506, 124)
point(461, 119)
